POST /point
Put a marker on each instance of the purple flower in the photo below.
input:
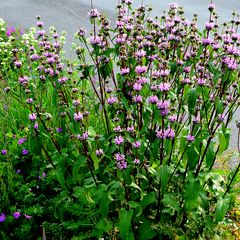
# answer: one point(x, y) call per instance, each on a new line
point(39, 24)
point(96, 40)
point(59, 130)
point(211, 7)
point(76, 102)
point(140, 69)
point(137, 87)
point(125, 71)
point(24, 152)
point(136, 161)
point(35, 126)
point(162, 105)
point(99, 152)
point(161, 134)
point(9, 31)
point(29, 100)
point(153, 99)
point(41, 33)
point(16, 215)
point(172, 118)
point(122, 165)
point(94, 13)
point(18, 171)
point(136, 144)
point(117, 129)
point(62, 80)
point(196, 119)
point(23, 80)
point(81, 32)
point(209, 25)
point(187, 69)
point(121, 162)
point(142, 80)
point(186, 81)
point(221, 117)
point(141, 53)
point(4, 152)
point(137, 99)
point(111, 100)
point(34, 57)
point(18, 64)
point(207, 41)
point(21, 141)
point(170, 133)
point(27, 216)
point(78, 116)
point(119, 157)
point(173, 5)
point(164, 73)
point(231, 63)
point(201, 81)
point(2, 217)
point(164, 87)
point(190, 138)
point(128, 2)
point(130, 129)
point(118, 140)
point(32, 117)
point(85, 136)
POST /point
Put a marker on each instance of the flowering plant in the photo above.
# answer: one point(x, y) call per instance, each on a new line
point(124, 140)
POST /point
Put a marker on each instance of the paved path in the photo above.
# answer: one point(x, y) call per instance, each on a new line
point(70, 14)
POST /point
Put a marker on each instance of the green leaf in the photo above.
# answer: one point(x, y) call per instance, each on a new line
point(145, 231)
point(95, 160)
point(172, 201)
point(134, 185)
point(104, 205)
point(223, 143)
point(210, 154)
point(101, 227)
point(192, 155)
point(76, 168)
point(191, 194)
point(136, 205)
point(125, 217)
point(173, 66)
point(164, 177)
point(220, 106)
point(192, 99)
point(221, 208)
point(148, 199)
point(60, 177)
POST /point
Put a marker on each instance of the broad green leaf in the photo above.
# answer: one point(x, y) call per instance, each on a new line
point(101, 227)
point(146, 231)
point(170, 199)
point(191, 194)
point(134, 185)
point(148, 199)
point(164, 177)
point(221, 208)
point(104, 205)
point(192, 156)
point(192, 99)
point(125, 217)
point(76, 168)
point(210, 154)
point(95, 160)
